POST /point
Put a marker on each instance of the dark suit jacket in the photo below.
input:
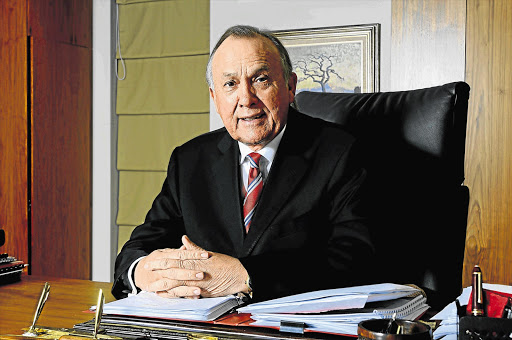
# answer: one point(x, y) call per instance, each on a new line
point(308, 232)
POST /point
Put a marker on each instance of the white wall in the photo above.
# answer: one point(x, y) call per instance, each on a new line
point(104, 173)
point(295, 14)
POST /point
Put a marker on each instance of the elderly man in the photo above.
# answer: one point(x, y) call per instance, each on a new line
point(268, 204)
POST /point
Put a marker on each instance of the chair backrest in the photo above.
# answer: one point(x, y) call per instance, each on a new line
point(412, 144)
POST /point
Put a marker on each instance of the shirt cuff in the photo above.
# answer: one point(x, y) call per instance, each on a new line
point(130, 276)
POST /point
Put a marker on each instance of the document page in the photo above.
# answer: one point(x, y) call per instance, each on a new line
point(331, 299)
point(151, 305)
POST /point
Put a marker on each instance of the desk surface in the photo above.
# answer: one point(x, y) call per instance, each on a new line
point(65, 305)
point(69, 298)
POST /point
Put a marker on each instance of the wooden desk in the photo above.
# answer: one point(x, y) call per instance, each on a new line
point(65, 305)
point(69, 299)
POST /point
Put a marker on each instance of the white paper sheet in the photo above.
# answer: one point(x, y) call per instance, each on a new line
point(331, 299)
point(151, 305)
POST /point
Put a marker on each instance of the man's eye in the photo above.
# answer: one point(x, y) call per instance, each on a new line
point(230, 83)
point(261, 79)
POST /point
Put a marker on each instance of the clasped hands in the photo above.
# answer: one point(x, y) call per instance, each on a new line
point(190, 272)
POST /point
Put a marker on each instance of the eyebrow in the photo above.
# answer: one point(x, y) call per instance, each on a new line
point(229, 75)
point(234, 74)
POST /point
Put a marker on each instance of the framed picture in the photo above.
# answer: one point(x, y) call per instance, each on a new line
point(335, 59)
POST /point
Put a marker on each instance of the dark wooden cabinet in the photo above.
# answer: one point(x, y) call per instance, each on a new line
point(45, 134)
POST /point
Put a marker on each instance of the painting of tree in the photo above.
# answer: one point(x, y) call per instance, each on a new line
point(334, 59)
point(317, 67)
point(329, 68)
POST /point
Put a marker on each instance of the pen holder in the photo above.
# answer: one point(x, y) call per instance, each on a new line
point(375, 329)
point(483, 328)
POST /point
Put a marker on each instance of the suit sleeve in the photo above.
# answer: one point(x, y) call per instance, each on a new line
point(341, 258)
point(163, 228)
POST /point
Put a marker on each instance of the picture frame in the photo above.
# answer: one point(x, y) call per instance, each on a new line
point(335, 59)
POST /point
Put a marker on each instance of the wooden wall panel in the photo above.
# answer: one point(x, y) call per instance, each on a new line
point(489, 140)
point(61, 204)
point(427, 43)
point(13, 128)
point(45, 134)
point(67, 21)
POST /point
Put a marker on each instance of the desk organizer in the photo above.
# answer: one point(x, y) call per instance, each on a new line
point(482, 328)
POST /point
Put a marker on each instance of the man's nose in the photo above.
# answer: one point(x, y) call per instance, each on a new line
point(246, 95)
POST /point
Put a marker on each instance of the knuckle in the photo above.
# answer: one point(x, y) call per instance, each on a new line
point(192, 265)
point(182, 255)
point(181, 264)
point(165, 285)
point(168, 263)
point(172, 293)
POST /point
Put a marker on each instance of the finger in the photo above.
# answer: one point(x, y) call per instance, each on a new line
point(181, 291)
point(189, 244)
point(184, 254)
point(164, 285)
point(162, 264)
point(169, 264)
point(182, 274)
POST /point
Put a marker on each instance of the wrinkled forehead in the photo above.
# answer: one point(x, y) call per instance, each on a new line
point(236, 52)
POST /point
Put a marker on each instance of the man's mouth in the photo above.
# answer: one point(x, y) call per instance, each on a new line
point(248, 119)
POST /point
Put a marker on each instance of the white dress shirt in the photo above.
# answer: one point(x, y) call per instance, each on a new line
point(268, 153)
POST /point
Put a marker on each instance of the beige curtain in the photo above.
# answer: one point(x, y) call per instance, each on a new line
point(162, 101)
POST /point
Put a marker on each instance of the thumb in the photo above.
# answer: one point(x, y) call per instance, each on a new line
point(189, 245)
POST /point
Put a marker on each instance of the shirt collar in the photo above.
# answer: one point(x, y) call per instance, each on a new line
point(268, 151)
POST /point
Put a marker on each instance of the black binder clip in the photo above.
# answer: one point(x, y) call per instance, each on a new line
point(292, 327)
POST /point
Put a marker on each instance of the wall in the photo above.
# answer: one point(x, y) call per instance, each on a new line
point(489, 140)
point(61, 129)
point(427, 43)
point(45, 196)
point(14, 149)
point(280, 15)
point(104, 172)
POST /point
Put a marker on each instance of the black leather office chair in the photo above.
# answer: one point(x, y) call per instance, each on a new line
point(412, 144)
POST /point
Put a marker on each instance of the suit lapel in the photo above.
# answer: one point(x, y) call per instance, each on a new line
point(226, 174)
point(288, 168)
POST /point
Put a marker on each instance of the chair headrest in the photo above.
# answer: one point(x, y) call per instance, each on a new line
point(431, 121)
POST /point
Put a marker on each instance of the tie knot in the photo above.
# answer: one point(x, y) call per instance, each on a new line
point(254, 159)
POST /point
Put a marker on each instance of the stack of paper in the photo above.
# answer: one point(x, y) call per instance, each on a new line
point(340, 310)
point(151, 305)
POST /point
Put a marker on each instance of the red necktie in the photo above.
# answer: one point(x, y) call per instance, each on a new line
point(255, 184)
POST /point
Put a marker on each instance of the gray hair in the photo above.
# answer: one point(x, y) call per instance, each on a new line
point(243, 31)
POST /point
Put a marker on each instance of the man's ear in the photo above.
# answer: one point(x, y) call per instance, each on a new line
point(212, 96)
point(292, 87)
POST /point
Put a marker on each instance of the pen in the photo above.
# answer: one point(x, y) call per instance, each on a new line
point(477, 308)
point(97, 321)
point(99, 312)
point(39, 308)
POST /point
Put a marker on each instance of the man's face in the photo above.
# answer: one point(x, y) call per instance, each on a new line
point(250, 92)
